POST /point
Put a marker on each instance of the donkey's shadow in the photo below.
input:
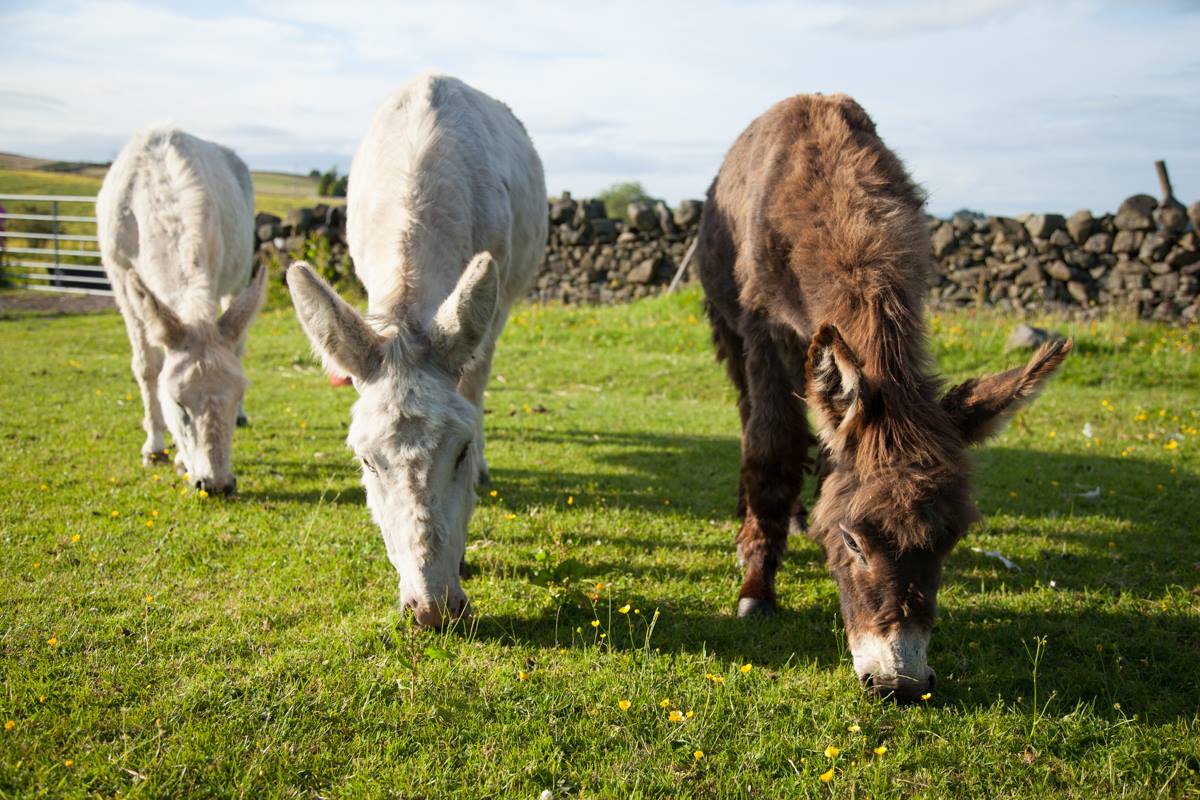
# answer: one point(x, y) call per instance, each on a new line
point(979, 647)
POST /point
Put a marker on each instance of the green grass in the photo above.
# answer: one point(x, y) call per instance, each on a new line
point(272, 660)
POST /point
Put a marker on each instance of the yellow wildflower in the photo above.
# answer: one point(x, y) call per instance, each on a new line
point(522, 675)
point(149, 523)
point(493, 493)
point(203, 494)
point(149, 598)
point(831, 752)
point(570, 500)
point(595, 623)
point(624, 609)
point(699, 754)
point(664, 702)
point(881, 749)
point(745, 669)
point(623, 704)
point(68, 762)
point(690, 714)
point(75, 538)
point(854, 729)
point(826, 777)
point(9, 725)
point(115, 514)
point(675, 716)
point(52, 641)
point(510, 517)
point(1171, 444)
point(926, 696)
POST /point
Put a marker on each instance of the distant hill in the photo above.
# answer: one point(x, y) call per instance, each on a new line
point(276, 192)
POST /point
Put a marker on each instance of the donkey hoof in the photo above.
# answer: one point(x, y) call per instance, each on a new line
point(755, 607)
point(242, 421)
point(155, 457)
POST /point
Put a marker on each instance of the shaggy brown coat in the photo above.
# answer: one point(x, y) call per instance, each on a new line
point(815, 258)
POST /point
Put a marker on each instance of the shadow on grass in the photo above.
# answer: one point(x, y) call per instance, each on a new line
point(1142, 549)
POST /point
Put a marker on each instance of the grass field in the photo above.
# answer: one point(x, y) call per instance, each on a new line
point(274, 192)
point(157, 644)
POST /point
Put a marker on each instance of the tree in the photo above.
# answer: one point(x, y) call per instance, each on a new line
point(326, 183)
point(617, 198)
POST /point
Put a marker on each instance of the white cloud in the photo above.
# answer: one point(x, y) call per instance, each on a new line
point(995, 104)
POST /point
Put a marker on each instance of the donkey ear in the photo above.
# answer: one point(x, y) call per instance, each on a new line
point(836, 389)
point(465, 317)
point(163, 324)
point(981, 406)
point(338, 333)
point(236, 319)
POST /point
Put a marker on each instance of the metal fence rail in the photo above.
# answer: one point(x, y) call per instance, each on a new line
point(55, 268)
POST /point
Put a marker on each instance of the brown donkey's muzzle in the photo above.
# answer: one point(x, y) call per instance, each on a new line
point(899, 689)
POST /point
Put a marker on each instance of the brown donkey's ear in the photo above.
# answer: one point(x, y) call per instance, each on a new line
point(835, 387)
point(981, 406)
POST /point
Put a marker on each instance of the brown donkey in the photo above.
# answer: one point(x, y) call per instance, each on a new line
point(814, 258)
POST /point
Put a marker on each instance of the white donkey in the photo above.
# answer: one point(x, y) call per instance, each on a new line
point(447, 222)
point(175, 219)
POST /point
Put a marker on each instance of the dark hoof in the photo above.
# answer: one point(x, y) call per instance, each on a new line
point(157, 457)
point(754, 607)
point(242, 421)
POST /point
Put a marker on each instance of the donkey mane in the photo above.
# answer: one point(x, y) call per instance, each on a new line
point(849, 212)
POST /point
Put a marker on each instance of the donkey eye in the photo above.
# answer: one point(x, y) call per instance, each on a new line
point(851, 543)
point(183, 414)
point(462, 456)
point(366, 463)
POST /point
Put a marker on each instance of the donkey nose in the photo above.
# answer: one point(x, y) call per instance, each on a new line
point(212, 487)
point(900, 689)
point(436, 615)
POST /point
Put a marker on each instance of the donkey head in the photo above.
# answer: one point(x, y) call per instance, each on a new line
point(201, 384)
point(411, 429)
point(897, 498)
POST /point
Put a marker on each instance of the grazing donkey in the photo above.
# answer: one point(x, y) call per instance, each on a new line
point(447, 225)
point(175, 219)
point(814, 258)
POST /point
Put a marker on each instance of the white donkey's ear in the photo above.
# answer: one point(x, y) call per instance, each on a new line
point(236, 319)
point(465, 317)
point(338, 333)
point(164, 325)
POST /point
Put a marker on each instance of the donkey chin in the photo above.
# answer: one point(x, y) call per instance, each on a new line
point(893, 665)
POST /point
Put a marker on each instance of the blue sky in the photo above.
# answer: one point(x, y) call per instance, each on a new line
point(1001, 105)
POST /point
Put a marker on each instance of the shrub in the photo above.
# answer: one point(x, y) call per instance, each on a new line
point(616, 198)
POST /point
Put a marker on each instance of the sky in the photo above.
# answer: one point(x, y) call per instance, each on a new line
point(1004, 106)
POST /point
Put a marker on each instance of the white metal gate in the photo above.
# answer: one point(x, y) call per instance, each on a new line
point(51, 251)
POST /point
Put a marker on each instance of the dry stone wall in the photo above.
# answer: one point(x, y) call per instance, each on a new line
point(1145, 258)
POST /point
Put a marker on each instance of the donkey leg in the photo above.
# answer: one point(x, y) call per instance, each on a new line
point(775, 446)
point(146, 363)
point(242, 419)
point(471, 385)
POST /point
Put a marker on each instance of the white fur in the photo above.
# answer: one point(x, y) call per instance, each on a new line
point(895, 661)
point(446, 223)
point(175, 220)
